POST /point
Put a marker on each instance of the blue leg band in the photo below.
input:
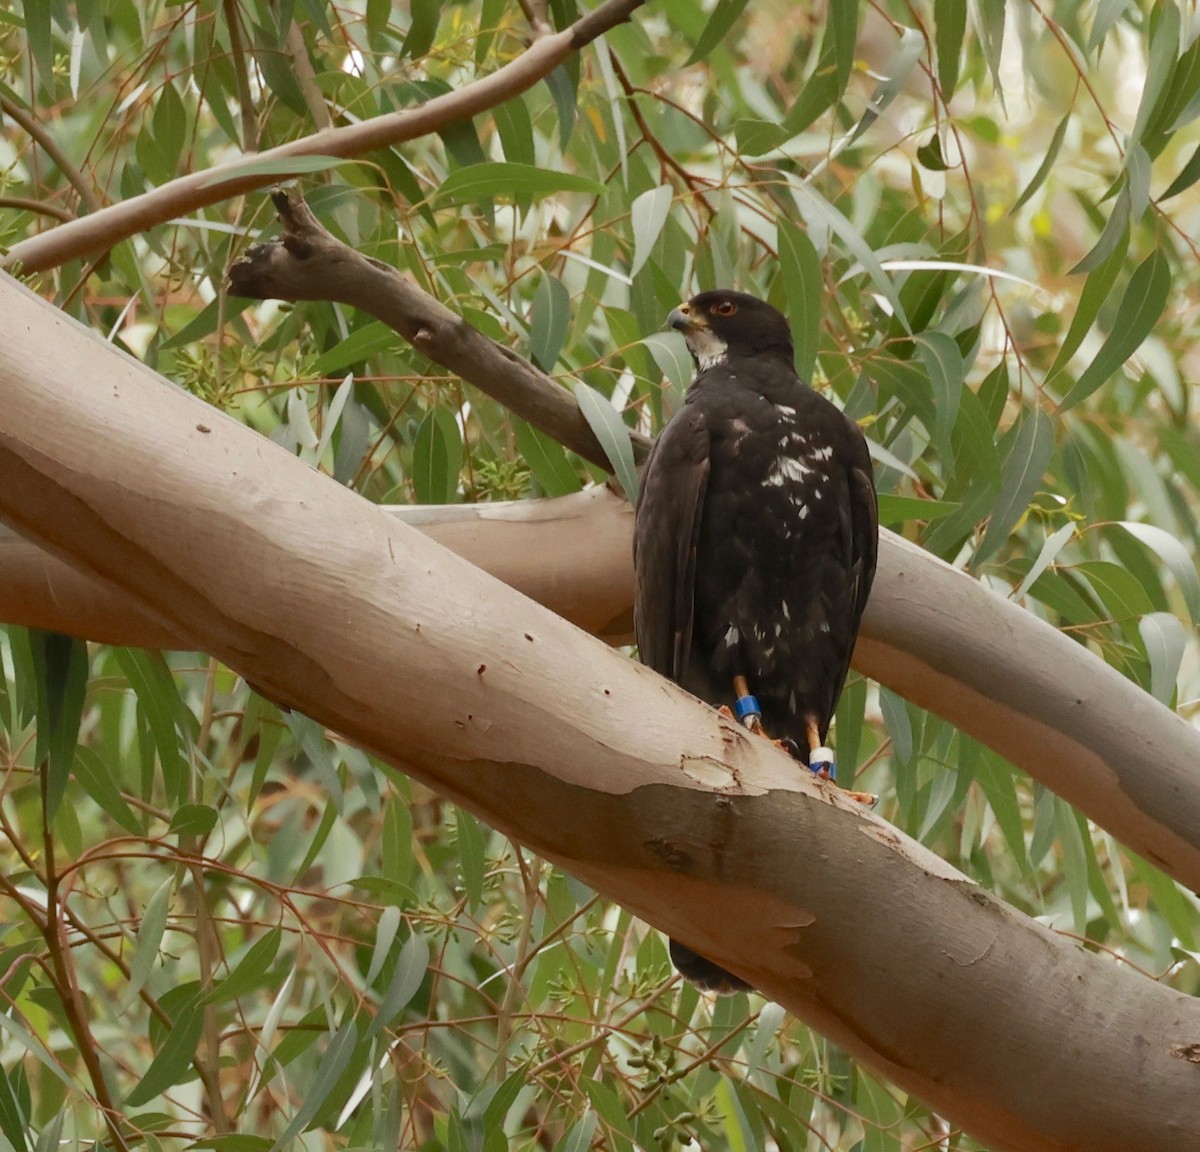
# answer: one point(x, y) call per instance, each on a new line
point(746, 706)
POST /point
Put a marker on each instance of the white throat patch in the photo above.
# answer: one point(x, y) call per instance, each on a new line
point(708, 348)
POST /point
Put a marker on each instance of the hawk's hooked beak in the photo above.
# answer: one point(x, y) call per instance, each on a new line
point(682, 319)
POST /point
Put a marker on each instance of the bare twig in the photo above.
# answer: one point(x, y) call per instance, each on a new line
point(40, 134)
point(208, 952)
point(68, 987)
point(308, 263)
point(27, 204)
point(307, 78)
point(101, 230)
point(241, 72)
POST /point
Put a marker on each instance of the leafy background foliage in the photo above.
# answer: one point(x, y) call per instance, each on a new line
point(979, 220)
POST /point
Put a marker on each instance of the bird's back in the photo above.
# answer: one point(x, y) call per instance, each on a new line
point(775, 595)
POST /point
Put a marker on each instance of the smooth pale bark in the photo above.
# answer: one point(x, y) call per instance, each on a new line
point(572, 554)
point(930, 633)
point(1068, 720)
point(1017, 1034)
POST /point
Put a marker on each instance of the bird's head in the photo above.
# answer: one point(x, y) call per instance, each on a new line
point(719, 325)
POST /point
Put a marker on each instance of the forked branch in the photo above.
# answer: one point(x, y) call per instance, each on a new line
point(309, 263)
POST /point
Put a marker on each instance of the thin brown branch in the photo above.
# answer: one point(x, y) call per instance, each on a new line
point(26, 204)
point(306, 77)
point(101, 230)
point(68, 986)
point(41, 135)
point(308, 263)
point(241, 72)
point(208, 952)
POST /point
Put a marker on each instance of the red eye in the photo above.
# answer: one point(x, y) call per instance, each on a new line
point(725, 308)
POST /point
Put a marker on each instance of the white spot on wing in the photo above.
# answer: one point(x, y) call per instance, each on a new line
point(732, 636)
point(787, 468)
point(785, 410)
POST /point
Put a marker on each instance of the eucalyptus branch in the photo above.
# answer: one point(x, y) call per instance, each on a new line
point(41, 135)
point(102, 229)
point(27, 204)
point(308, 263)
point(208, 953)
point(241, 72)
point(68, 987)
point(623, 779)
point(306, 77)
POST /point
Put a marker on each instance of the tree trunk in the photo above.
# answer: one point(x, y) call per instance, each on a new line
point(1019, 1035)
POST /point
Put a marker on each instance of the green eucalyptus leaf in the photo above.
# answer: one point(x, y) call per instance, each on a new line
point(410, 971)
point(1165, 642)
point(1028, 457)
point(547, 460)
point(902, 509)
point(648, 214)
point(281, 166)
point(1175, 556)
point(804, 286)
point(166, 716)
point(605, 421)
point(334, 1061)
point(947, 370)
point(174, 1057)
point(1047, 164)
point(1140, 309)
point(437, 458)
point(483, 181)
point(249, 971)
point(549, 322)
point(724, 15)
point(61, 666)
point(14, 1119)
point(950, 23)
point(149, 938)
point(1095, 293)
point(470, 856)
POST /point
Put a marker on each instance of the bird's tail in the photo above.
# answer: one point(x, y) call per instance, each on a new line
point(709, 976)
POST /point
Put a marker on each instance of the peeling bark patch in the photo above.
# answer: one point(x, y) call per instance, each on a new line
point(1188, 1052)
point(709, 771)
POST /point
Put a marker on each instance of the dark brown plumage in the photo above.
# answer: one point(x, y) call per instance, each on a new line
point(756, 536)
